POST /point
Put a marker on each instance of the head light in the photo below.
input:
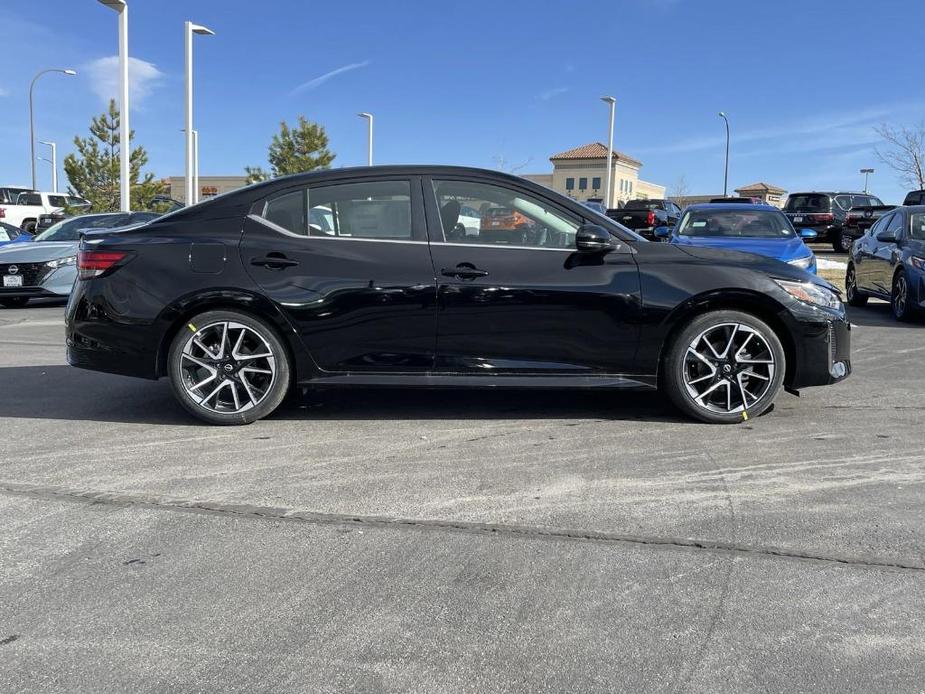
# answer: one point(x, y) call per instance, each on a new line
point(802, 263)
point(811, 293)
point(917, 262)
point(61, 262)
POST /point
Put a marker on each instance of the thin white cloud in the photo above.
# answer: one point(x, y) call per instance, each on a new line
point(318, 81)
point(4, 92)
point(103, 75)
point(550, 93)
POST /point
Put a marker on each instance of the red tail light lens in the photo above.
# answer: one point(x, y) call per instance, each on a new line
point(827, 217)
point(95, 263)
point(650, 218)
point(2, 213)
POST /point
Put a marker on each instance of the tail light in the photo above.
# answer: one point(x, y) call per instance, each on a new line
point(827, 217)
point(2, 212)
point(95, 263)
point(650, 218)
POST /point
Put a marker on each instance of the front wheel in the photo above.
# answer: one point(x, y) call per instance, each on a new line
point(724, 367)
point(228, 367)
point(854, 296)
point(14, 301)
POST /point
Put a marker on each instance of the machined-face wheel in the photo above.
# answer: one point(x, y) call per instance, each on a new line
point(227, 367)
point(900, 297)
point(728, 368)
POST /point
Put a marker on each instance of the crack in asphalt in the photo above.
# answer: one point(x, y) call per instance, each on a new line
point(495, 529)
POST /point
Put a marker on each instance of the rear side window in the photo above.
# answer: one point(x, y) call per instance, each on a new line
point(29, 199)
point(57, 200)
point(366, 210)
point(808, 203)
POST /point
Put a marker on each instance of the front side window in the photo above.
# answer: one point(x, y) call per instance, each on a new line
point(364, 210)
point(506, 217)
point(879, 225)
point(896, 224)
point(735, 224)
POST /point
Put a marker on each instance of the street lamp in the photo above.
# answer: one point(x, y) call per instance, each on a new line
point(54, 164)
point(125, 139)
point(866, 172)
point(32, 119)
point(369, 136)
point(196, 189)
point(726, 172)
point(191, 29)
point(609, 193)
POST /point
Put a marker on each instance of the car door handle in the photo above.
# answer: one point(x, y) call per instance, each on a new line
point(274, 262)
point(464, 272)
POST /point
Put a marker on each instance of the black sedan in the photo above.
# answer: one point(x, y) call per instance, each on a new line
point(357, 277)
point(888, 262)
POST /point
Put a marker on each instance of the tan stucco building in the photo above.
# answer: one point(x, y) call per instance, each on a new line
point(764, 191)
point(209, 186)
point(581, 173)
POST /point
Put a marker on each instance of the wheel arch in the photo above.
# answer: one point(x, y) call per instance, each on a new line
point(763, 307)
point(177, 315)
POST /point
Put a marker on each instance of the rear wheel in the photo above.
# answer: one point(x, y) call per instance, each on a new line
point(29, 225)
point(723, 367)
point(14, 301)
point(842, 242)
point(854, 295)
point(228, 367)
point(899, 298)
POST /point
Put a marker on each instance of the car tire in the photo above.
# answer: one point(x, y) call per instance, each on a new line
point(29, 226)
point(842, 242)
point(724, 367)
point(899, 298)
point(853, 294)
point(228, 367)
point(14, 302)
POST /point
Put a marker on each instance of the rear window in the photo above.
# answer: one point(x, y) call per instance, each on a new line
point(813, 202)
point(643, 205)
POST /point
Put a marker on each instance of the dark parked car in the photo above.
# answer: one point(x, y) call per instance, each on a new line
point(645, 216)
point(888, 262)
point(916, 197)
point(239, 298)
point(740, 201)
point(826, 214)
point(862, 217)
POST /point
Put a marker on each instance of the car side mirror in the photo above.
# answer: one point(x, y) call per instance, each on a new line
point(886, 237)
point(808, 234)
point(591, 238)
point(662, 232)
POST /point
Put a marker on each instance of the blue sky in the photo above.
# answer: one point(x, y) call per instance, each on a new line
point(479, 82)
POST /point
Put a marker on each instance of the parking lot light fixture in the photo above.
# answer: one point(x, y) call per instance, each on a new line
point(608, 192)
point(63, 71)
point(125, 144)
point(190, 29)
point(369, 136)
point(866, 173)
point(54, 164)
point(726, 169)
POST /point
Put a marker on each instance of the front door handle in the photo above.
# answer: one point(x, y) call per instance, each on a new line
point(274, 261)
point(464, 271)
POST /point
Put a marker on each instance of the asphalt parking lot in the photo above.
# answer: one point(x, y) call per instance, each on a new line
point(460, 542)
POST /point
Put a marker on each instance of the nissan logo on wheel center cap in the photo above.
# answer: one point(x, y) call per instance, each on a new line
point(229, 367)
point(13, 269)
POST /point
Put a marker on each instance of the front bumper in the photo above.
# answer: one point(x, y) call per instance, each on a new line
point(39, 281)
point(821, 345)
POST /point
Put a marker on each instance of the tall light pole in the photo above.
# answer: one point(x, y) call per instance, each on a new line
point(609, 193)
point(866, 172)
point(54, 164)
point(125, 139)
point(31, 117)
point(196, 189)
point(369, 136)
point(726, 170)
point(191, 29)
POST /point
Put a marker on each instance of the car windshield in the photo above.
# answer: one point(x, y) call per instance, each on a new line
point(69, 229)
point(735, 224)
point(808, 203)
point(917, 232)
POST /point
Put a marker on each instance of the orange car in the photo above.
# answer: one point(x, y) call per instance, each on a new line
point(503, 224)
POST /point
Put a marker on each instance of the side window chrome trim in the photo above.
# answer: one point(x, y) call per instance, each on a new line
point(502, 245)
point(276, 227)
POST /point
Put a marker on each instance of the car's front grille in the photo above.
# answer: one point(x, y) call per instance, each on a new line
point(31, 273)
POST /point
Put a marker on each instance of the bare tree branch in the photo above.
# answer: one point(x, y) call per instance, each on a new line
point(680, 191)
point(904, 152)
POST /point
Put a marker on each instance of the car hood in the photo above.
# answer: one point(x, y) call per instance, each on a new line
point(782, 249)
point(37, 252)
point(760, 263)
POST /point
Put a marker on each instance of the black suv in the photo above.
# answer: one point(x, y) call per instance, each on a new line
point(826, 214)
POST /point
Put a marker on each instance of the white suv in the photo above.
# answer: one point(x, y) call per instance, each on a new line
point(29, 206)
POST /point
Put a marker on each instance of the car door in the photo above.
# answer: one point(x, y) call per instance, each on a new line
point(348, 263)
point(518, 298)
point(863, 252)
point(885, 253)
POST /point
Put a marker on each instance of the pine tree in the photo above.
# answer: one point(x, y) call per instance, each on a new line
point(295, 150)
point(93, 173)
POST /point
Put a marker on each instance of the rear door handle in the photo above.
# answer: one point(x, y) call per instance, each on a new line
point(464, 272)
point(274, 262)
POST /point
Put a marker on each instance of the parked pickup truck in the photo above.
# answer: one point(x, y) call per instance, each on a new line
point(645, 216)
point(30, 206)
point(861, 218)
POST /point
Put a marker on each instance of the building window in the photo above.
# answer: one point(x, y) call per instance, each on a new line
point(582, 183)
point(631, 186)
point(570, 184)
point(596, 183)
